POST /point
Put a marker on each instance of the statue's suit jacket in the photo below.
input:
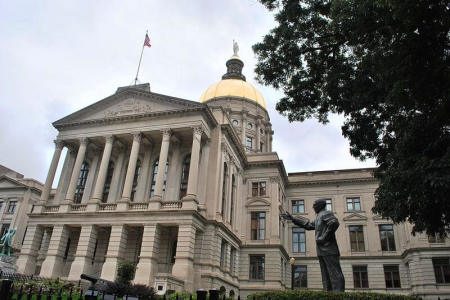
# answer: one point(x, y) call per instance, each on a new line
point(325, 225)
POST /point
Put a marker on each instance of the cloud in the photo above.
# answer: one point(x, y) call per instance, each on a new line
point(58, 57)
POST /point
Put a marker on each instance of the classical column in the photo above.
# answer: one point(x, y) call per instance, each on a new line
point(148, 263)
point(162, 164)
point(102, 172)
point(51, 172)
point(193, 167)
point(183, 267)
point(76, 169)
point(26, 263)
point(142, 184)
point(115, 252)
point(127, 187)
point(114, 189)
point(258, 135)
point(53, 264)
point(82, 264)
point(244, 126)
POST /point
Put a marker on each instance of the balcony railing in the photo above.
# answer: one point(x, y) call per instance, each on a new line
point(138, 205)
point(78, 207)
point(107, 206)
point(51, 208)
point(171, 205)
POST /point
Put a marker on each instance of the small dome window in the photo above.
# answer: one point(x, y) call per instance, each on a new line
point(249, 126)
point(235, 122)
point(262, 131)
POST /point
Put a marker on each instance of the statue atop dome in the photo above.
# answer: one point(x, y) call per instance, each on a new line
point(235, 48)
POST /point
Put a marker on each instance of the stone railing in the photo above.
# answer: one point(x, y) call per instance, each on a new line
point(138, 206)
point(78, 207)
point(171, 205)
point(107, 206)
point(51, 208)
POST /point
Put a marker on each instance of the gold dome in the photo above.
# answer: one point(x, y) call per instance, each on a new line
point(233, 88)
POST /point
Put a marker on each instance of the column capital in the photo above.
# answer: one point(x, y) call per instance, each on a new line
point(167, 133)
point(137, 136)
point(84, 141)
point(59, 144)
point(198, 130)
point(109, 138)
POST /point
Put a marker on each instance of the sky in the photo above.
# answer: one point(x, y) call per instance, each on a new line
point(57, 57)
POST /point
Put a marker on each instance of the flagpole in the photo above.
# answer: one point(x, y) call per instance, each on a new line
point(140, 59)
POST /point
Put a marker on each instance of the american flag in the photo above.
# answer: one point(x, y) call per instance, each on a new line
point(147, 41)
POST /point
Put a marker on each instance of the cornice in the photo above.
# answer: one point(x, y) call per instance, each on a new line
point(112, 120)
point(272, 163)
point(332, 181)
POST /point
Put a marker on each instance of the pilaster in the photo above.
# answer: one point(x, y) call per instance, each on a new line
point(115, 252)
point(184, 260)
point(26, 263)
point(82, 263)
point(54, 261)
point(148, 264)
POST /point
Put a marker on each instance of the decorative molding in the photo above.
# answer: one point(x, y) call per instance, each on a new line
point(127, 107)
point(84, 141)
point(109, 138)
point(166, 133)
point(137, 137)
point(59, 144)
point(355, 217)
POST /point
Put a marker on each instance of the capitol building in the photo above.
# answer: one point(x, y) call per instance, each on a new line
point(192, 192)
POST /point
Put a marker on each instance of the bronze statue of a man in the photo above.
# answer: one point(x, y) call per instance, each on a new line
point(325, 225)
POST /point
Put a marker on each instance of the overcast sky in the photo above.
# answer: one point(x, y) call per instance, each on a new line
point(57, 57)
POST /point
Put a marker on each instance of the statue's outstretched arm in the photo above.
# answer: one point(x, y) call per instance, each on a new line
point(304, 223)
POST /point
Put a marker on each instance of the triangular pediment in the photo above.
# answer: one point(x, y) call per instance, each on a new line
point(7, 183)
point(128, 102)
point(355, 217)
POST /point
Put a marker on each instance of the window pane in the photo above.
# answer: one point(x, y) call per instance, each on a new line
point(262, 188)
point(301, 206)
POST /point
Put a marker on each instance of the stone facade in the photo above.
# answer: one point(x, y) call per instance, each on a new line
point(192, 193)
point(17, 196)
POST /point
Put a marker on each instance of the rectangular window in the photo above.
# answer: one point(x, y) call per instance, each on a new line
point(436, 238)
point(259, 188)
point(356, 238)
point(1, 205)
point(299, 277)
point(249, 143)
point(257, 267)
point(329, 207)
point(392, 276)
point(232, 259)
point(353, 204)
point(298, 206)
point(298, 240)
point(66, 252)
point(360, 279)
point(442, 269)
point(261, 146)
point(258, 225)
point(223, 254)
point(11, 207)
point(4, 229)
point(387, 237)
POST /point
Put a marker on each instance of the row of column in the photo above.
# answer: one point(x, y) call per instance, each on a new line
point(134, 154)
point(146, 270)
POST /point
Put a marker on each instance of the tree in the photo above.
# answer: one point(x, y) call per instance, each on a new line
point(383, 65)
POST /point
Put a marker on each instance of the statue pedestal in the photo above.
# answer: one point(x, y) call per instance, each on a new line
point(8, 264)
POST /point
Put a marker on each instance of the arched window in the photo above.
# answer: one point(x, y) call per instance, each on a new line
point(224, 189)
point(81, 182)
point(185, 175)
point(155, 173)
point(233, 195)
point(137, 171)
point(107, 186)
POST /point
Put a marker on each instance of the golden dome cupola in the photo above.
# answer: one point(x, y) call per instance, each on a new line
point(233, 84)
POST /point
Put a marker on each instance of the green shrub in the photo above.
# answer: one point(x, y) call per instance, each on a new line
point(125, 272)
point(316, 295)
